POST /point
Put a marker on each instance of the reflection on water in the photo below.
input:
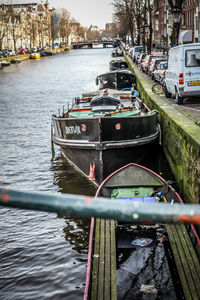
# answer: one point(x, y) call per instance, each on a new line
point(67, 180)
point(43, 256)
point(76, 233)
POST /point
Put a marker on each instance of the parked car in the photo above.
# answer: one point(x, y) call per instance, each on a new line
point(11, 52)
point(127, 46)
point(22, 51)
point(5, 53)
point(44, 48)
point(159, 73)
point(34, 49)
point(136, 52)
point(154, 65)
point(182, 77)
point(130, 51)
point(146, 63)
point(141, 58)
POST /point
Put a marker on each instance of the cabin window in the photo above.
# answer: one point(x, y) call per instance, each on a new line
point(192, 58)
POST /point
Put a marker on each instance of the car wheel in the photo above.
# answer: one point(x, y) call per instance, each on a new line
point(167, 94)
point(179, 100)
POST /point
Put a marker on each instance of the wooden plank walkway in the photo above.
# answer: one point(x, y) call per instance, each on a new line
point(104, 284)
point(186, 260)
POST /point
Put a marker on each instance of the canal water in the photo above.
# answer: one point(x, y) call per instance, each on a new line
point(42, 255)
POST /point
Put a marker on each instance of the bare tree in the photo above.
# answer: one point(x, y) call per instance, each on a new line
point(133, 15)
point(3, 26)
point(31, 31)
point(123, 29)
point(43, 28)
point(123, 11)
point(14, 25)
point(80, 30)
point(93, 35)
point(148, 10)
point(77, 30)
point(54, 26)
point(64, 20)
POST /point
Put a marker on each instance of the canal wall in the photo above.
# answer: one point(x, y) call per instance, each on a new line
point(180, 138)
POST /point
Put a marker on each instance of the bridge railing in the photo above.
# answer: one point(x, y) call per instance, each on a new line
point(85, 206)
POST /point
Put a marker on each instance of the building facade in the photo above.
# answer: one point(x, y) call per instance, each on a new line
point(24, 24)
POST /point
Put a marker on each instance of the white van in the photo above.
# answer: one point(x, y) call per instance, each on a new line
point(182, 77)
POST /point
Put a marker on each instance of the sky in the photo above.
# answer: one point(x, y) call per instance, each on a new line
point(87, 12)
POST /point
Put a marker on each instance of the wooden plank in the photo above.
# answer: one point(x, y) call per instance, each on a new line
point(186, 260)
point(95, 270)
point(171, 230)
point(192, 252)
point(104, 283)
point(113, 261)
point(107, 293)
point(101, 261)
point(185, 264)
point(191, 262)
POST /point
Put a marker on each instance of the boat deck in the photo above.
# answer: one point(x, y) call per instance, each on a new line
point(91, 114)
point(186, 260)
point(103, 283)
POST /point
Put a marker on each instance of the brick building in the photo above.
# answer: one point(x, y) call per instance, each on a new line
point(162, 22)
point(190, 18)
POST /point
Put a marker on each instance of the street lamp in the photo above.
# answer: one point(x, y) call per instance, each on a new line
point(146, 26)
point(177, 16)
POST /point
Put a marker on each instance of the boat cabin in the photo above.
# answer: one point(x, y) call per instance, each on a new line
point(116, 80)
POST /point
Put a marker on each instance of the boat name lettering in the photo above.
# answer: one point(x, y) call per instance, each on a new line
point(73, 130)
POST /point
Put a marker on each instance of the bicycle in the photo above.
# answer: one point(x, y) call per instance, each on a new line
point(158, 88)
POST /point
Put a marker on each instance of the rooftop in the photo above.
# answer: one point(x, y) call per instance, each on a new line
point(19, 2)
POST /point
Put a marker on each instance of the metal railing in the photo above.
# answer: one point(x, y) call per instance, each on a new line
point(84, 206)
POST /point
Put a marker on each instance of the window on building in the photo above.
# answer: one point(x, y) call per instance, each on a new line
point(156, 24)
point(183, 21)
point(196, 23)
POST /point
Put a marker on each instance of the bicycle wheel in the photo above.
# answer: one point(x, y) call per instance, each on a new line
point(157, 88)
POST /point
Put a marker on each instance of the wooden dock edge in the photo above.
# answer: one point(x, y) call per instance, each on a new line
point(103, 281)
point(186, 260)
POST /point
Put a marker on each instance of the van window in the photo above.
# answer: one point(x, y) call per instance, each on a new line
point(192, 58)
point(138, 48)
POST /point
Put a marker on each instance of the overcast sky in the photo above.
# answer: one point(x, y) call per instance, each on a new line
point(87, 12)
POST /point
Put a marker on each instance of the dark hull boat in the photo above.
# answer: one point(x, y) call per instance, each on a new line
point(101, 134)
point(5, 63)
point(116, 64)
point(116, 80)
point(16, 61)
point(140, 266)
